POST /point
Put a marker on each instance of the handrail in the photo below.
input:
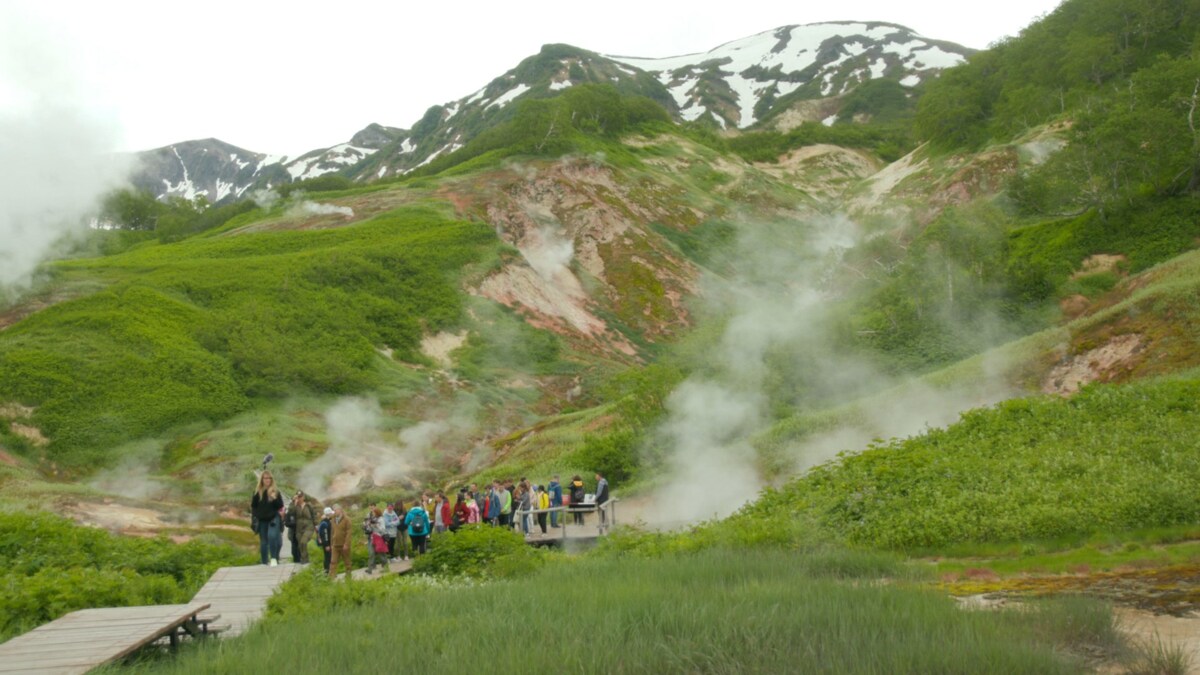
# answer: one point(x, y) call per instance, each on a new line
point(608, 507)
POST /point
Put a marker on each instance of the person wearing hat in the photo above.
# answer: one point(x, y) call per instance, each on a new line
point(323, 536)
point(306, 526)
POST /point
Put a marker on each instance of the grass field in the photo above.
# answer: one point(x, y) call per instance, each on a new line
point(719, 611)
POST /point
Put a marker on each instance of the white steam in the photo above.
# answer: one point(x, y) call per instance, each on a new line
point(362, 455)
point(546, 250)
point(298, 206)
point(56, 150)
point(309, 208)
point(779, 304)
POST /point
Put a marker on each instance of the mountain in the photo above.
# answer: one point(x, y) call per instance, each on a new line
point(779, 77)
point(755, 78)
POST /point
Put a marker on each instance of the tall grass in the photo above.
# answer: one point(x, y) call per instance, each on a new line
point(719, 611)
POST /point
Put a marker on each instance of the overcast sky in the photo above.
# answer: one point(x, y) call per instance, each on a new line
point(287, 77)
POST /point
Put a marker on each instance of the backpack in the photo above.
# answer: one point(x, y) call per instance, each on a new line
point(420, 522)
point(289, 519)
point(379, 543)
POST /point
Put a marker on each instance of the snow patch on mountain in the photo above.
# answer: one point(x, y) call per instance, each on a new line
point(509, 95)
point(784, 59)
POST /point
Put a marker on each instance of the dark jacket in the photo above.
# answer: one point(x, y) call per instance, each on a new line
point(577, 493)
point(324, 531)
point(602, 491)
point(266, 508)
point(555, 491)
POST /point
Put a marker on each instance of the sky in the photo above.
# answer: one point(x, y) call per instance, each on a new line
point(288, 77)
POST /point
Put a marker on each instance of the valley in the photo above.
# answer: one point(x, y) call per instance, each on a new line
point(842, 334)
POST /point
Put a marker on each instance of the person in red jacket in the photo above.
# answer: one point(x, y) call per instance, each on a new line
point(462, 515)
point(445, 511)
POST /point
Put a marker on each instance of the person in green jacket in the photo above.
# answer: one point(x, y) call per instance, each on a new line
point(306, 525)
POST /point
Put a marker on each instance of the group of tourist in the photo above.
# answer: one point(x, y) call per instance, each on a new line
point(391, 528)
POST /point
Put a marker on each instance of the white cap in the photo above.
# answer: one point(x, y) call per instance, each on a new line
point(328, 511)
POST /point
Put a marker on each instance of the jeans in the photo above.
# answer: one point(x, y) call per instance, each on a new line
point(270, 539)
point(554, 515)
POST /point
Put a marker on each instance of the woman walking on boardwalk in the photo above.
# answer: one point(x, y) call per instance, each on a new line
point(265, 505)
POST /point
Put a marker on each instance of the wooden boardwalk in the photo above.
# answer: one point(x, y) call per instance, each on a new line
point(83, 640)
point(398, 567)
point(238, 595)
point(232, 600)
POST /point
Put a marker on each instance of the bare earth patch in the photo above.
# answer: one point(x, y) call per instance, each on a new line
point(15, 411)
point(31, 434)
point(1149, 628)
point(1096, 365)
point(439, 346)
point(1101, 262)
point(117, 517)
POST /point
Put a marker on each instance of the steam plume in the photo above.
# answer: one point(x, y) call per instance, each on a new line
point(56, 151)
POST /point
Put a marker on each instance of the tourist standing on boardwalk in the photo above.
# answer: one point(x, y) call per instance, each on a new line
point(525, 500)
point(265, 505)
point(555, 491)
point(391, 526)
point(473, 510)
point(401, 534)
point(462, 513)
point(495, 503)
point(601, 495)
point(506, 505)
point(289, 524)
point(340, 540)
point(435, 514)
point(481, 498)
point(541, 502)
point(577, 493)
point(417, 522)
point(323, 536)
point(306, 526)
point(373, 527)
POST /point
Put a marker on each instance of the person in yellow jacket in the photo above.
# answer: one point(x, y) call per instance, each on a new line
point(341, 541)
point(541, 502)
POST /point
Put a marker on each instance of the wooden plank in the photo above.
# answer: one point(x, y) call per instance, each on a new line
point(81, 640)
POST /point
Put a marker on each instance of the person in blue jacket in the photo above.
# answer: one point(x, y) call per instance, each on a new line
point(417, 522)
point(555, 490)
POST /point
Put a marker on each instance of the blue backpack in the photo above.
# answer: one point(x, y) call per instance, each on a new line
point(420, 522)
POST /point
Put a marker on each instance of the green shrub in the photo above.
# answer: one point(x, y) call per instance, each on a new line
point(53, 566)
point(479, 551)
point(615, 455)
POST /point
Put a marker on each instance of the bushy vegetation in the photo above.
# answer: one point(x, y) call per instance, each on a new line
point(53, 566)
point(1110, 458)
point(198, 329)
point(1078, 56)
point(172, 219)
point(719, 611)
point(479, 551)
point(890, 141)
point(558, 125)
